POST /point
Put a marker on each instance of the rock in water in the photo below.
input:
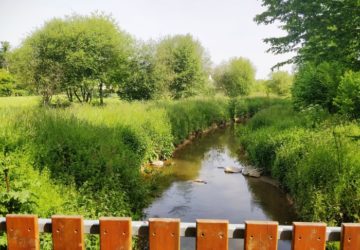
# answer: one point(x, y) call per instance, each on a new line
point(200, 181)
point(251, 172)
point(157, 164)
point(232, 170)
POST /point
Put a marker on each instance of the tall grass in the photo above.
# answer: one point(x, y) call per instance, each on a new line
point(316, 161)
point(92, 155)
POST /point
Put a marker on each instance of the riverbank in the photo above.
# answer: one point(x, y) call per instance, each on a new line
point(313, 155)
point(92, 155)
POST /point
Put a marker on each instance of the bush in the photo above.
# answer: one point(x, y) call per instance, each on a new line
point(7, 83)
point(348, 96)
point(60, 102)
point(317, 85)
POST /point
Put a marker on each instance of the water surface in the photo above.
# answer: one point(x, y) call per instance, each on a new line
point(225, 196)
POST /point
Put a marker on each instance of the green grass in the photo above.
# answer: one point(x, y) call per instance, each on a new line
point(315, 157)
point(92, 155)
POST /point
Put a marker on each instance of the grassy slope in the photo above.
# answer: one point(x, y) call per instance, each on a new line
point(315, 156)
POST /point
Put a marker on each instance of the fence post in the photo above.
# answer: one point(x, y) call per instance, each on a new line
point(22, 232)
point(308, 235)
point(164, 234)
point(67, 232)
point(350, 236)
point(261, 235)
point(115, 233)
point(212, 234)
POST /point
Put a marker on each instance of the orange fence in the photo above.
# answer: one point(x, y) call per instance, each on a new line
point(116, 233)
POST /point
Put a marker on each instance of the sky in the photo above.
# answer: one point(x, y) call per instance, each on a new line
point(225, 28)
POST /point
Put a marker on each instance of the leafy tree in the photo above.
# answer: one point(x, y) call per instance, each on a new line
point(318, 30)
point(4, 50)
point(280, 83)
point(348, 96)
point(142, 81)
point(77, 54)
point(317, 84)
point(183, 66)
point(235, 77)
point(6, 83)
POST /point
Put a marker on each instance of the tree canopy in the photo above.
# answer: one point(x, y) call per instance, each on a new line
point(183, 66)
point(235, 77)
point(318, 30)
point(77, 54)
point(280, 83)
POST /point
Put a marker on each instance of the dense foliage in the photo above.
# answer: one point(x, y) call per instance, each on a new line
point(97, 151)
point(314, 157)
point(7, 83)
point(235, 77)
point(78, 55)
point(348, 94)
point(182, 66)
point(317, 85)
point(318, 30)
point(280, 83)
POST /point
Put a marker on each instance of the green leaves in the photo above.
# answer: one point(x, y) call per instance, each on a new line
point(67, 54)
point(280, 83)
point(235, 77)
point(348, 95)
point(317, 30)
point(182, 64)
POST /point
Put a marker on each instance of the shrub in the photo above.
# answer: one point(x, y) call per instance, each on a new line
point(7, 83)
point(348, 96)
point(317, 85)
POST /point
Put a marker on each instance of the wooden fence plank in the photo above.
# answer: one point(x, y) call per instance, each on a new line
point(212, 234)
point(67, 232)
point(261, 235)
point(308, 235)
point(22, 232)
point(115, 233)
point(164, 234)
point(350, 236)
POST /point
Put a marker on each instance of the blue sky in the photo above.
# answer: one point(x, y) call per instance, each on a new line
point(225, 28)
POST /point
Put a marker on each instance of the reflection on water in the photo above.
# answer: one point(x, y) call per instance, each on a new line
point(225, 196)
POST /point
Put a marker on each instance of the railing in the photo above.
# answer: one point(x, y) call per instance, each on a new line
point(116, 233)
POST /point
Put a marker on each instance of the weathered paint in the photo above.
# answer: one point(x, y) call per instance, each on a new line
point(261, 235)
point(67, 232)
point(212, 234)
point(115, 233)
point(350, 236)
point(164, 234)
point(309, 236)
point(22, 232)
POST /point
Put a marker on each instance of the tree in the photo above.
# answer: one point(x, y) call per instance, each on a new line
point(319, 30)
point(280, 83)
point(78, 54)
point(182, 65)
point(235, 77)
point(4, 50)
point(142, 80)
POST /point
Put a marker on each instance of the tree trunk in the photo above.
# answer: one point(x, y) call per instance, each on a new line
point(77, 96)
point(101, 93)
point(69, 94)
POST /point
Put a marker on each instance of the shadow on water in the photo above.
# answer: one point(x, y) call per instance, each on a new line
point(225, 196)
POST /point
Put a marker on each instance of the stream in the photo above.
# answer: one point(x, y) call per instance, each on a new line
point(224, 196)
